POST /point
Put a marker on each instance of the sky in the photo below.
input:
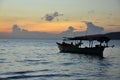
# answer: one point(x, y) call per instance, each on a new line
point(55, 16)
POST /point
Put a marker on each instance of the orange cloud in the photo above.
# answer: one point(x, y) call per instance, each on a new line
point(56, 27)
point(53, 27)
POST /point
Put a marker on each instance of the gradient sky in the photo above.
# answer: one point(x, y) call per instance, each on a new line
point(28, 13)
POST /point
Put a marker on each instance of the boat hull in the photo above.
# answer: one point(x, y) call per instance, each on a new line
point(72, 49)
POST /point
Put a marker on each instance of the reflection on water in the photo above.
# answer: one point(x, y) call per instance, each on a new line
point(40, 60)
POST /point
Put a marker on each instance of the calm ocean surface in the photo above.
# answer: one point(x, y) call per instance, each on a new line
point(34, 59)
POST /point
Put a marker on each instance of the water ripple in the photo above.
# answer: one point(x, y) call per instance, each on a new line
point(39, 59)
point(32, 76)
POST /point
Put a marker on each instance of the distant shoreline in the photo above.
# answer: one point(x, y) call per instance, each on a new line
point(111, 35)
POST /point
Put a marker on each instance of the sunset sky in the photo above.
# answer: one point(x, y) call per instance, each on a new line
point(39, 15)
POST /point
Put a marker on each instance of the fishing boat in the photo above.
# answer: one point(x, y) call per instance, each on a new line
point(96, 44)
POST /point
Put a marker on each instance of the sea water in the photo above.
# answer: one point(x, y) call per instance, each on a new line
point(35, 59)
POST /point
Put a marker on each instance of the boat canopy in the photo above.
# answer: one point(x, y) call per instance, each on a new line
point(100, 38)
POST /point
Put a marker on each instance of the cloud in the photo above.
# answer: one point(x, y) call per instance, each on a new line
point(114, 25)
point(18, 32)
point(51, 17)
point(93, 29)
point(70, 29)
point(16, 29)
point(69, 32)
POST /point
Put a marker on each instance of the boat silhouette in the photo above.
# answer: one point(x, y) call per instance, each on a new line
point(76, 45)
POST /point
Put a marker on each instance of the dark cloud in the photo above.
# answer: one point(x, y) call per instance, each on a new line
point(69, 30)
point(16, 29)
point(51, 17)
point(18, 32)
point(93, 29)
